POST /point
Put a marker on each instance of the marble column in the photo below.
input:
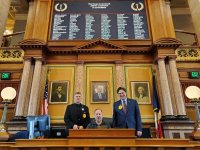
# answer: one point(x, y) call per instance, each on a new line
point(120, 82)
point(79, 78)
point(194, 6)
point(169, 77)
point(157, 75)
point(165, 91)
point(28, 92)
point(4, 10)
point(181, 112)
point(34, 97)
point(23, 88)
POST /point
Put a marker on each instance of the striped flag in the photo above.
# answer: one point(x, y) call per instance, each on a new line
point(156, 108)
point(45, 100)
point(160, 130)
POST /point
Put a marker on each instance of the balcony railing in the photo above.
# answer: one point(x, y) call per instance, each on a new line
point(186, 36)
point(9, 51)
point(190, 50)
point(12, 39)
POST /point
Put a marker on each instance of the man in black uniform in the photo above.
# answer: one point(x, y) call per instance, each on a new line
point(77, 115)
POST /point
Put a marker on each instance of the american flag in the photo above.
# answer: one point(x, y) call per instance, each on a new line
point(45, 100)
point(156, 108)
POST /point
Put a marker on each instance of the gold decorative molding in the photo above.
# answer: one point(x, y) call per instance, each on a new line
point(188, 54)
point(11, 55)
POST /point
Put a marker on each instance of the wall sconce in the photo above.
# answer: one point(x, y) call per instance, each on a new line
point(8, 94)
point(193, 93)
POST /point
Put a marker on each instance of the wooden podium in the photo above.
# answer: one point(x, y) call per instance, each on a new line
point(102, 133)
point(102, 137)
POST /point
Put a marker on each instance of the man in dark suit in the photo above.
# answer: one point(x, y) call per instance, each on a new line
point(126, 113)
point(100, 95)
point(77, 115)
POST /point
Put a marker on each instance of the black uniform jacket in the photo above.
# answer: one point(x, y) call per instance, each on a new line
point(77, 114)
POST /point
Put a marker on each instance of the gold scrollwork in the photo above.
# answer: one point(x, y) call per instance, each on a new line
point(188, 54)
point(15, 55)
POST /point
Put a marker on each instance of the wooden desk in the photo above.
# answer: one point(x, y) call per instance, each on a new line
point(101, 140)
point(93, 144)
point(102, 137)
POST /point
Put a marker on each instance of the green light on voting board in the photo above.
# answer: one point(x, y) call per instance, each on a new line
point(194, 74)
point(5, 75)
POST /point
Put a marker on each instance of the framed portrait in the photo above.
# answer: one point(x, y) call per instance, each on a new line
point(59, 92)
point(141, 92)
point(99, 92)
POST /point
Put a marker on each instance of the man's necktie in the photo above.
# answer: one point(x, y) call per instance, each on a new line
point(124, 106)
point(100, 96)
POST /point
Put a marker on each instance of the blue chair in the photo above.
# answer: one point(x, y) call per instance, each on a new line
point(38, 126)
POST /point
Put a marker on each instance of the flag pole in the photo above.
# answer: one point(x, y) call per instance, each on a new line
point(156, 122)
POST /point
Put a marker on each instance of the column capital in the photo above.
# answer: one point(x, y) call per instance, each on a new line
point(172, 57)
point(80, 62)
point(159, 58)
point(118, 62)
point(39, 59)
point(27, 58)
